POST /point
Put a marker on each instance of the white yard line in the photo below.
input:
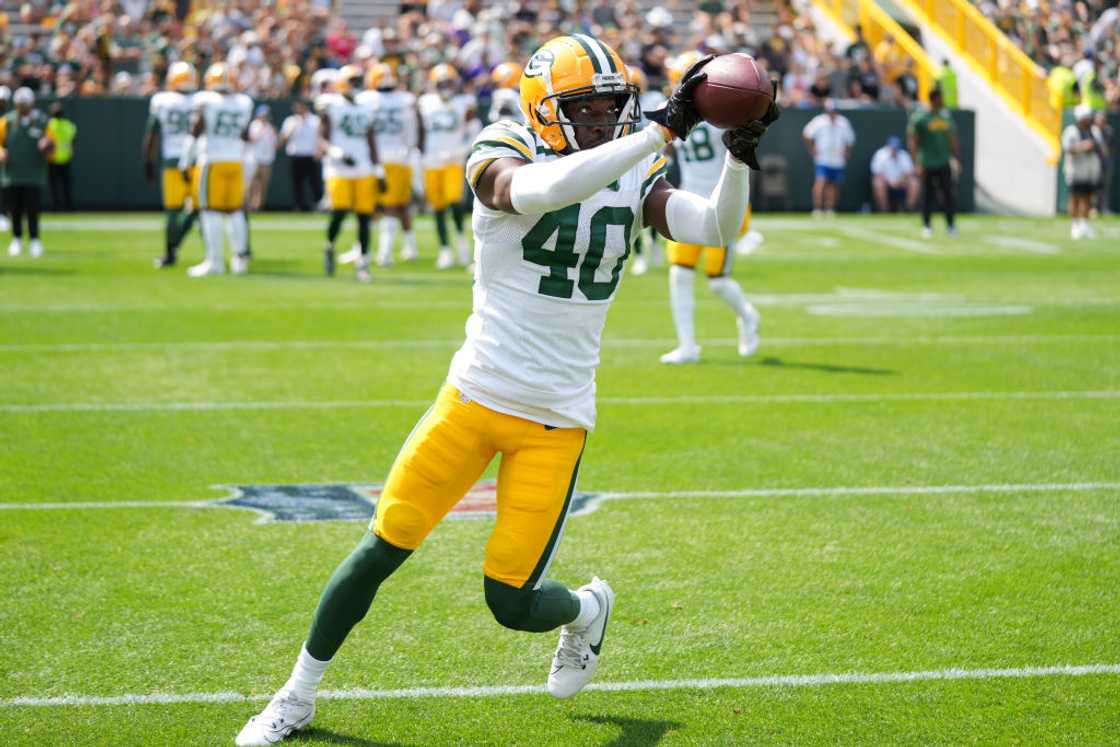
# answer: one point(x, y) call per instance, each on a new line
point(687, 399)
point(909, 245)
point(1022, 244)
point(492, 691)
point(649, 342)
point(817, 492)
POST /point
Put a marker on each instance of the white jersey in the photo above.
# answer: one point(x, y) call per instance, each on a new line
point(350, 123)
point(394, 123)
point(1082, 168)
point(225, 117)
point(701, 159)
point(542, 288)
point(170, 112)
point(505, 104)
point(445, 129)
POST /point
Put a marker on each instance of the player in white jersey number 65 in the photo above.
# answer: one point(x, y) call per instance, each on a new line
point(559, 203)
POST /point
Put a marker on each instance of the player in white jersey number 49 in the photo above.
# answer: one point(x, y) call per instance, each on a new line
point(558, 205)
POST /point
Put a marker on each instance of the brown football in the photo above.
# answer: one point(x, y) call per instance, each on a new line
point(735, 93)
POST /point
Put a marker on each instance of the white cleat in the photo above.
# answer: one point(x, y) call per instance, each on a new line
point(283, 715)
point(750, 241)
point(362, 272)
point(409, 254)
point(577, 656)
point(748, 336)
point(445, 260)
point(385, 259)
point(239, 264)
point(927, 232)
point(15, 248)
point(953, 233)
point(640, 266)
point(204, 268)
point(36, 248)
point(352, 256)
point(682, 355)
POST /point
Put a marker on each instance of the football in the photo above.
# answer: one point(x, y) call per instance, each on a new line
point(735, 92)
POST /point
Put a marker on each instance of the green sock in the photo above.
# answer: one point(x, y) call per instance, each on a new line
point(171, 232)
point(531, 610)
point(349, 593)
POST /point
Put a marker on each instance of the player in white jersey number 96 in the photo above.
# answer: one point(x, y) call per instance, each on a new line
point(559, 202)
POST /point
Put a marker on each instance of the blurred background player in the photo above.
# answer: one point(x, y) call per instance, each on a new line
point(5, 99)
point(445, 114)
point(351, 165)
point(398, 131)
point(829, 137)
point(63, 133)
point(505, 101)
point(168, 129)
point(24, 148)
point(933, 144)
point(1083, 145)
point(892, 178)
point(701, 157)
point(222, 124)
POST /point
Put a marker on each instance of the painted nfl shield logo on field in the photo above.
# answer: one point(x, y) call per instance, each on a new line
point(358, 502)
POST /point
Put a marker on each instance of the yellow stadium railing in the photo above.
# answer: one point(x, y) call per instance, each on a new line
point(1009, 71)
point(876, 24)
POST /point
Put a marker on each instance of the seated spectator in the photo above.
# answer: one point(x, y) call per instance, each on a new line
point(893, 181)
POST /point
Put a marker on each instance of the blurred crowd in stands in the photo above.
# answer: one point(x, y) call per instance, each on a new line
point(124, 47)
point(1078, 43)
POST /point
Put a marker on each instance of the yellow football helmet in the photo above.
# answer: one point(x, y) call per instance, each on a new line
point(635, 75)
point(380, 77)
point(506, 75)
point(570, 68)
point(349, 77)
point(679, 65)
point(217, 77)
point(442, 73)
point(182, 76)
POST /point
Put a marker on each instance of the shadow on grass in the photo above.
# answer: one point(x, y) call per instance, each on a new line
point(13, 269)
point(826, 367)
point(327, 736)
point(635, 731)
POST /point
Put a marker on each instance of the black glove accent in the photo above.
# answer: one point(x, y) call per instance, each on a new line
point(742, 142)
point(679, 112)
point(349, 160)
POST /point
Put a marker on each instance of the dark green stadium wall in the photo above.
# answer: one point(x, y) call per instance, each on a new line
point(109, 175)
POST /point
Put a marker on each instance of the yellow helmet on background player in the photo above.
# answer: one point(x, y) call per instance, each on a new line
point(569, 68)
point(380, 77)
point(182, 76)
point(349, 78)
point(635, 75)
point(217, 77)
point(506, 75)
point(677, 66)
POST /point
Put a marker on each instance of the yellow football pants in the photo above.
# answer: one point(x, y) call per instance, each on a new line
point(176, 189)
point(444, 185)
point(717, 259)
point(358, 194)
point(445, 455)
point(398, 185)
point(222, 186)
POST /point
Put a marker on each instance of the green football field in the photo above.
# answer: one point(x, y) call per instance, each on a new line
point(898, 522)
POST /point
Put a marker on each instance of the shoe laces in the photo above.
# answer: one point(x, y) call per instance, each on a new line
point(280, 708)
point(572, 649)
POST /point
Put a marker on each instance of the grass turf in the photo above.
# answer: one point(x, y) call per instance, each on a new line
point(185, 600)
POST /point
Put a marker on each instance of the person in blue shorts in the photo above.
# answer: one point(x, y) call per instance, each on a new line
point(829, 137)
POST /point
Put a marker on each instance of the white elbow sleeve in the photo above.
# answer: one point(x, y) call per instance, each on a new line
point(713, 221)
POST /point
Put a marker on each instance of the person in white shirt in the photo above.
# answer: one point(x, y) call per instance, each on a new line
point(299, 137)
point(893, 182)
point(262, 144)
point(1084, 149)
point(829, 138)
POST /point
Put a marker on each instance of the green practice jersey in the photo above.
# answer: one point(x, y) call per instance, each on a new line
point(934, 133)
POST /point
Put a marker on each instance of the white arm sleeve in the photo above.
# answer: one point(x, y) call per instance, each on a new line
point(715, 221)
point(543, 187)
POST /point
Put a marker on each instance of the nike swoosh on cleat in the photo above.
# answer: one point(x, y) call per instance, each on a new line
point(596, 646)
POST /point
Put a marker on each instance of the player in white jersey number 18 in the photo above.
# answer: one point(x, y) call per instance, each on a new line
point(558, 204)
